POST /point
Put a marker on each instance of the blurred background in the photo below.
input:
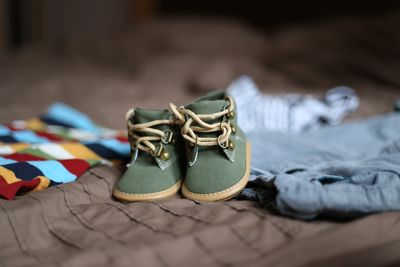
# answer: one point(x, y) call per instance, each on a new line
point(104, 57)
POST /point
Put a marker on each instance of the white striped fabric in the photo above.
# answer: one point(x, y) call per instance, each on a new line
point(55, 150)
point(290, 113)
point(6, 150)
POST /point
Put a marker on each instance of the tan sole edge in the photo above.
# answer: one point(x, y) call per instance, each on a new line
point(148, 196)
point(227, 193)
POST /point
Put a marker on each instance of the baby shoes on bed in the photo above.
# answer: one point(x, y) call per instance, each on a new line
point(218, 155)
point(158, 160)
point(200, 144)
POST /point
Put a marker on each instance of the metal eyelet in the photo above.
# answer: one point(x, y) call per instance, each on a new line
point(231, 145)
point(160, 152)
point(164, 155)
point(168, 134)
point(231, 114)
point(157, 152)
point(220, 144)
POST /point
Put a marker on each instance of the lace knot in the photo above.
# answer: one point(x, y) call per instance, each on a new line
point(149, 135)
point(194, 124)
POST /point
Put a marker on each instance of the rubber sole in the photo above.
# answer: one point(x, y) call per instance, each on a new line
point(148, 196)
point(227, 193)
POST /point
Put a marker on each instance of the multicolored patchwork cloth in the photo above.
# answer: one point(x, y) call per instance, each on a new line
point(55, 148)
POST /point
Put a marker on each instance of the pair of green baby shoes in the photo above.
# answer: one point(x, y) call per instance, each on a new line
point(198, 149)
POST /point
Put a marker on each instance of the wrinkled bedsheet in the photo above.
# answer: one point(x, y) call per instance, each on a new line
point(79, 224)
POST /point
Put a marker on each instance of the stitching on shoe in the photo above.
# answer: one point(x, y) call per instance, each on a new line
point(145, 194)
point(245, 177)
point(163, 166)
point(219, 192)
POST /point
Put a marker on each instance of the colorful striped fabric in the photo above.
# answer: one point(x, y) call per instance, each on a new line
point(55, 148)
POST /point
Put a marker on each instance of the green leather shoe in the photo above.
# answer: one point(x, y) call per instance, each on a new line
point(218, 153)
point(158, 157)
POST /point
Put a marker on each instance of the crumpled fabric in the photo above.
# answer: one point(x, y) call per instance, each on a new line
point(54, 148)
point(289, 113)
point(342, 171)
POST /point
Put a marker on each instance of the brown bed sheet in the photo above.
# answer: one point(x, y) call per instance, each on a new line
point(80, 224)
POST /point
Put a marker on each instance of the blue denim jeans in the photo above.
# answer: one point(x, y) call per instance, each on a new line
point(346, 170)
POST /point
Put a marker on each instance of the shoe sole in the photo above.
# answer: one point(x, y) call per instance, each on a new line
point(148, 196)
point(227, 193)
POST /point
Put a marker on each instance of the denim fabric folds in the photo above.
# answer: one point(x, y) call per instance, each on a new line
point(340, 171)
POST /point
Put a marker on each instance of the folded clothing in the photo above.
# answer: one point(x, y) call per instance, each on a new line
point(57, 147)
point(339, 171)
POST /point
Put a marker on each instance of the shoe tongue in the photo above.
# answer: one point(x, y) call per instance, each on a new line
point(146, 115)
point(207, 106)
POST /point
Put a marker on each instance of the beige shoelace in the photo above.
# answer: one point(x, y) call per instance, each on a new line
point(144, 142)
point(189, 130)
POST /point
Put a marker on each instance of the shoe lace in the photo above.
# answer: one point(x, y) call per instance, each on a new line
point(197, 123)
point(149, 136)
